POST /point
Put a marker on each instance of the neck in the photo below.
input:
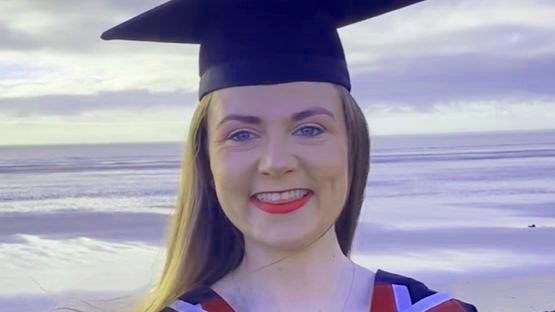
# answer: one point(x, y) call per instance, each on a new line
point(313, 277)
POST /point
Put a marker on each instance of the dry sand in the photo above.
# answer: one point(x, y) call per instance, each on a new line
point(522, 292)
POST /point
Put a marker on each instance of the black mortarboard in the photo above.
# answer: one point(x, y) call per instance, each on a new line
point(254, 42)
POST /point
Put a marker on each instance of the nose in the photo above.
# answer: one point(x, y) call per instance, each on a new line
point(277, 159)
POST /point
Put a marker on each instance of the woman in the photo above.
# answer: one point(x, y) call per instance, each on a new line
point(275, 165)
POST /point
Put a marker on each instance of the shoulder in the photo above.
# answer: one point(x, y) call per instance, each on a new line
point(401, 293)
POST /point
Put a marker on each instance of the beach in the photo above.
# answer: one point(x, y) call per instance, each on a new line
point(468, 214)
point(510, 291)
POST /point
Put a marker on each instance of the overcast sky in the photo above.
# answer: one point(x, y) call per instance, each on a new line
point(435, 67)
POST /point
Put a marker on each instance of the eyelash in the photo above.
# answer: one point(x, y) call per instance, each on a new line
point(238, 132)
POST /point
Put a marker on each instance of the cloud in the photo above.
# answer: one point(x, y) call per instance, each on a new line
point(108, 71)
point(426, 81)
point(16, 40)
point(503, 40)
point(63, 25)
point(420, 82)
point(72, 105)
point(77, 25)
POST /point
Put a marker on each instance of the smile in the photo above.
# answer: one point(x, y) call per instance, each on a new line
point(282, 207)
point(281, 197)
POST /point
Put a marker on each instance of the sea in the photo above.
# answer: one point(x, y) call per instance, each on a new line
point(92, 217)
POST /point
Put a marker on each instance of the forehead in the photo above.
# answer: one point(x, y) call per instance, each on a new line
point(273, 100)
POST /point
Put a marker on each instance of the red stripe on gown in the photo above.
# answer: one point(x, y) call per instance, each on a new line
point(383, 299)
point(448, 306)
point(216, 304)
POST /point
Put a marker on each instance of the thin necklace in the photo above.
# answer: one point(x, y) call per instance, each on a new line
point(351, 288)
point(346, 300)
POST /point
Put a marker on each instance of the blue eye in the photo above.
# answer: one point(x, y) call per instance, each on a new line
point(237, 134)
point(311, 127)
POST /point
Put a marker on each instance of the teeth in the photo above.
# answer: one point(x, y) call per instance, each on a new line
point(281, 197)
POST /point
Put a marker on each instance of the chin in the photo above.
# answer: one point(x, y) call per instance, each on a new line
point(286, 236)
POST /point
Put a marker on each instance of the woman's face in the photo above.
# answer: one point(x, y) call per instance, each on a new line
point(273, 151)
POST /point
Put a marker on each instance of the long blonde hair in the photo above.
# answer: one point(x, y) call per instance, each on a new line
point(203, 245)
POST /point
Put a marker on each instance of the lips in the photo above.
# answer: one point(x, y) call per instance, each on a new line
point(281, 208)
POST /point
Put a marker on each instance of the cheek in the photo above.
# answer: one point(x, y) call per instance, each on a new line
point(229, 169)
point(330, 164)
point(232, 184)
point(331, 173)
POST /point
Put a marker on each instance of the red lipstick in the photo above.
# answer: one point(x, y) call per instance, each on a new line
point(283, 207)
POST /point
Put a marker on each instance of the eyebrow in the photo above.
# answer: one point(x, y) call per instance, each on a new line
point(295, 117)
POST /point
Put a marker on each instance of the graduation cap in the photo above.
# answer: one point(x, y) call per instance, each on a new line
point(254, 42)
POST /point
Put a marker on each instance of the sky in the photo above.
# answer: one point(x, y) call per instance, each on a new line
point(434, 67)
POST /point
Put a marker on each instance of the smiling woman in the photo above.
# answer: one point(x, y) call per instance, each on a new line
point(306, 242)
point(275, 166)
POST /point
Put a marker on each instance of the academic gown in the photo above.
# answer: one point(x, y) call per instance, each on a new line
point(392, 293)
